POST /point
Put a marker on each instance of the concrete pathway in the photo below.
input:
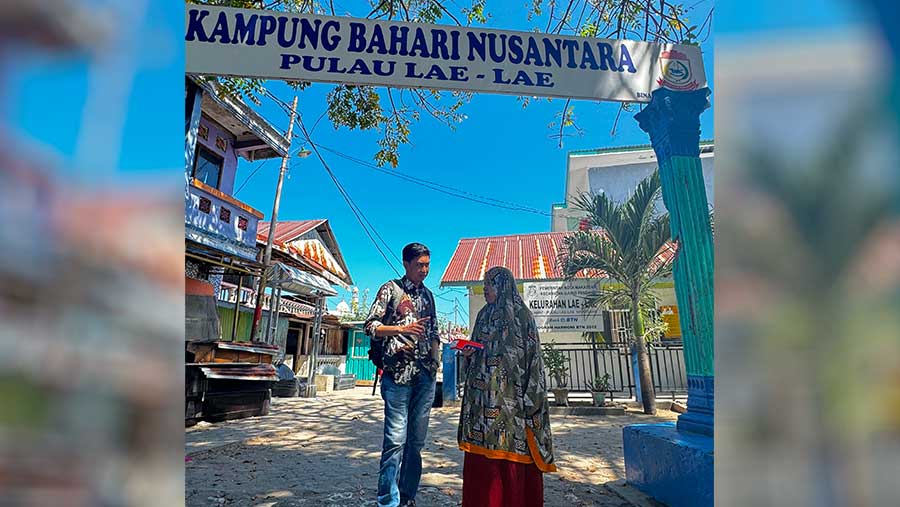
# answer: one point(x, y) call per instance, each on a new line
point(324, 452)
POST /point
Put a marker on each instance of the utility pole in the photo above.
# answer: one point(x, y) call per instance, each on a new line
point(267, 257)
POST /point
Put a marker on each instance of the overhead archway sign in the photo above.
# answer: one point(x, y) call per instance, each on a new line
point(275, 45)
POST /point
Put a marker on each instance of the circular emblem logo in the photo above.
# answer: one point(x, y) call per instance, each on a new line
point(677, 72)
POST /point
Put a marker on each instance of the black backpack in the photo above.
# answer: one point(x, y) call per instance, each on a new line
point(376, 353)
point(376, 347)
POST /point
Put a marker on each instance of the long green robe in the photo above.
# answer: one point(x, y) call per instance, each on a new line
point(505, 413)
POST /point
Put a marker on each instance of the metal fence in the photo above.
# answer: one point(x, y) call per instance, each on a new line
point(667, 368)
point(333, 361)
point(590, 361)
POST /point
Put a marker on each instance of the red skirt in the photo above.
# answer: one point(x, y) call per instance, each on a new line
point(500, 483)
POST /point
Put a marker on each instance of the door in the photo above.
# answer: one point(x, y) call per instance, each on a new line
point(358, 356)
point(290, 348)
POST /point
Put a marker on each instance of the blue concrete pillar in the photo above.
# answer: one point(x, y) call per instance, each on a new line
point(449, 386)
point(673, 121)
point(674, 463)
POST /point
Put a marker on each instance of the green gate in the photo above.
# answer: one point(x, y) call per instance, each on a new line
point(358, 356)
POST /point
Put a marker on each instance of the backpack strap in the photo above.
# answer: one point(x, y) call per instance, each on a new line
point(376, 345)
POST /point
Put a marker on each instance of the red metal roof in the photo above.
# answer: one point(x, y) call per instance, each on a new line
point(528, 256)
point(287, 231)
point(326, 256)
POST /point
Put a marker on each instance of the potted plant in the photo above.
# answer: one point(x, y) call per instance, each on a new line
point(557, 365)
point(599, 387)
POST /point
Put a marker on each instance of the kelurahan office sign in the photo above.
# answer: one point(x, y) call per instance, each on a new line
point(277, 45)
point(560, 306)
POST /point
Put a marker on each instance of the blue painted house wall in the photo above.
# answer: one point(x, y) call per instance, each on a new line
point(212, 217)
point(220, 223)
point(217, 133)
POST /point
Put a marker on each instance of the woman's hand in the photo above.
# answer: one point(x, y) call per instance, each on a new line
point(468, 351)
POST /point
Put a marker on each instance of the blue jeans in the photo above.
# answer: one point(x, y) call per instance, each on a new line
point(406, 411)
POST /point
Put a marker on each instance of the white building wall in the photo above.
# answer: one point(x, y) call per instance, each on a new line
point(617, 175)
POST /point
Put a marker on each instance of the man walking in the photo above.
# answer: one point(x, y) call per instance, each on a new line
point(404, 323)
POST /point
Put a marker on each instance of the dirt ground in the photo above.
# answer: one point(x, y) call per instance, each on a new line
point(324, 452)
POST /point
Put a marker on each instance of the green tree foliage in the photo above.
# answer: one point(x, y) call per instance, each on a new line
point(624, 244)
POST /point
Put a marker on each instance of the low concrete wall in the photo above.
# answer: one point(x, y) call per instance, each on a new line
point(674, 467)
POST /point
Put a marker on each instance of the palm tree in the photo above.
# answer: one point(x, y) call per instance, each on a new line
point(624, 244)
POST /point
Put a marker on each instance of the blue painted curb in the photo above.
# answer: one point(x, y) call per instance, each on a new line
point(674, 467)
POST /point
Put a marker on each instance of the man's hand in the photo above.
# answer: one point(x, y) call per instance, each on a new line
point(407, 333)
point(417, 328)
point(407, 347)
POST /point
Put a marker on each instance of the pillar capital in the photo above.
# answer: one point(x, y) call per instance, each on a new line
point(672, 119)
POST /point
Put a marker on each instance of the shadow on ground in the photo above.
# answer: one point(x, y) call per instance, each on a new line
point(325, 452)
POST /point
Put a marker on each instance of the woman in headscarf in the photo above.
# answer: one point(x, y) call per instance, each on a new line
point(504, 424)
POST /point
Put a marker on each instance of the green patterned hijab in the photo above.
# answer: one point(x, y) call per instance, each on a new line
point(509, 302)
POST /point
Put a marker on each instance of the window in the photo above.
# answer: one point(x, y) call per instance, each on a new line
point(208, 167)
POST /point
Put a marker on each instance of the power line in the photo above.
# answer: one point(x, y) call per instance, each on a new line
point(247, 179)
point(437, 187)
point(258, 167)
point(360, 217)
point(353, 205)
point(427, 182)
point(287, 110)
point(463, 310)
point(354, 208)
point(444, 189)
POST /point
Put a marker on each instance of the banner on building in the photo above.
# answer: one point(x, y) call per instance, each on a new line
point(560, 306)
point(669, 315)
point(303, 47)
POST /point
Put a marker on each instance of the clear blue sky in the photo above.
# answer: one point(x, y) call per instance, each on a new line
point(500, 151)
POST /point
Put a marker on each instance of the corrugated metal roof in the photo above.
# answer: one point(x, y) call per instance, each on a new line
point(300, 282)
point(327, 256)
point(529, 256)
point(288, 230)
point(314, 250)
